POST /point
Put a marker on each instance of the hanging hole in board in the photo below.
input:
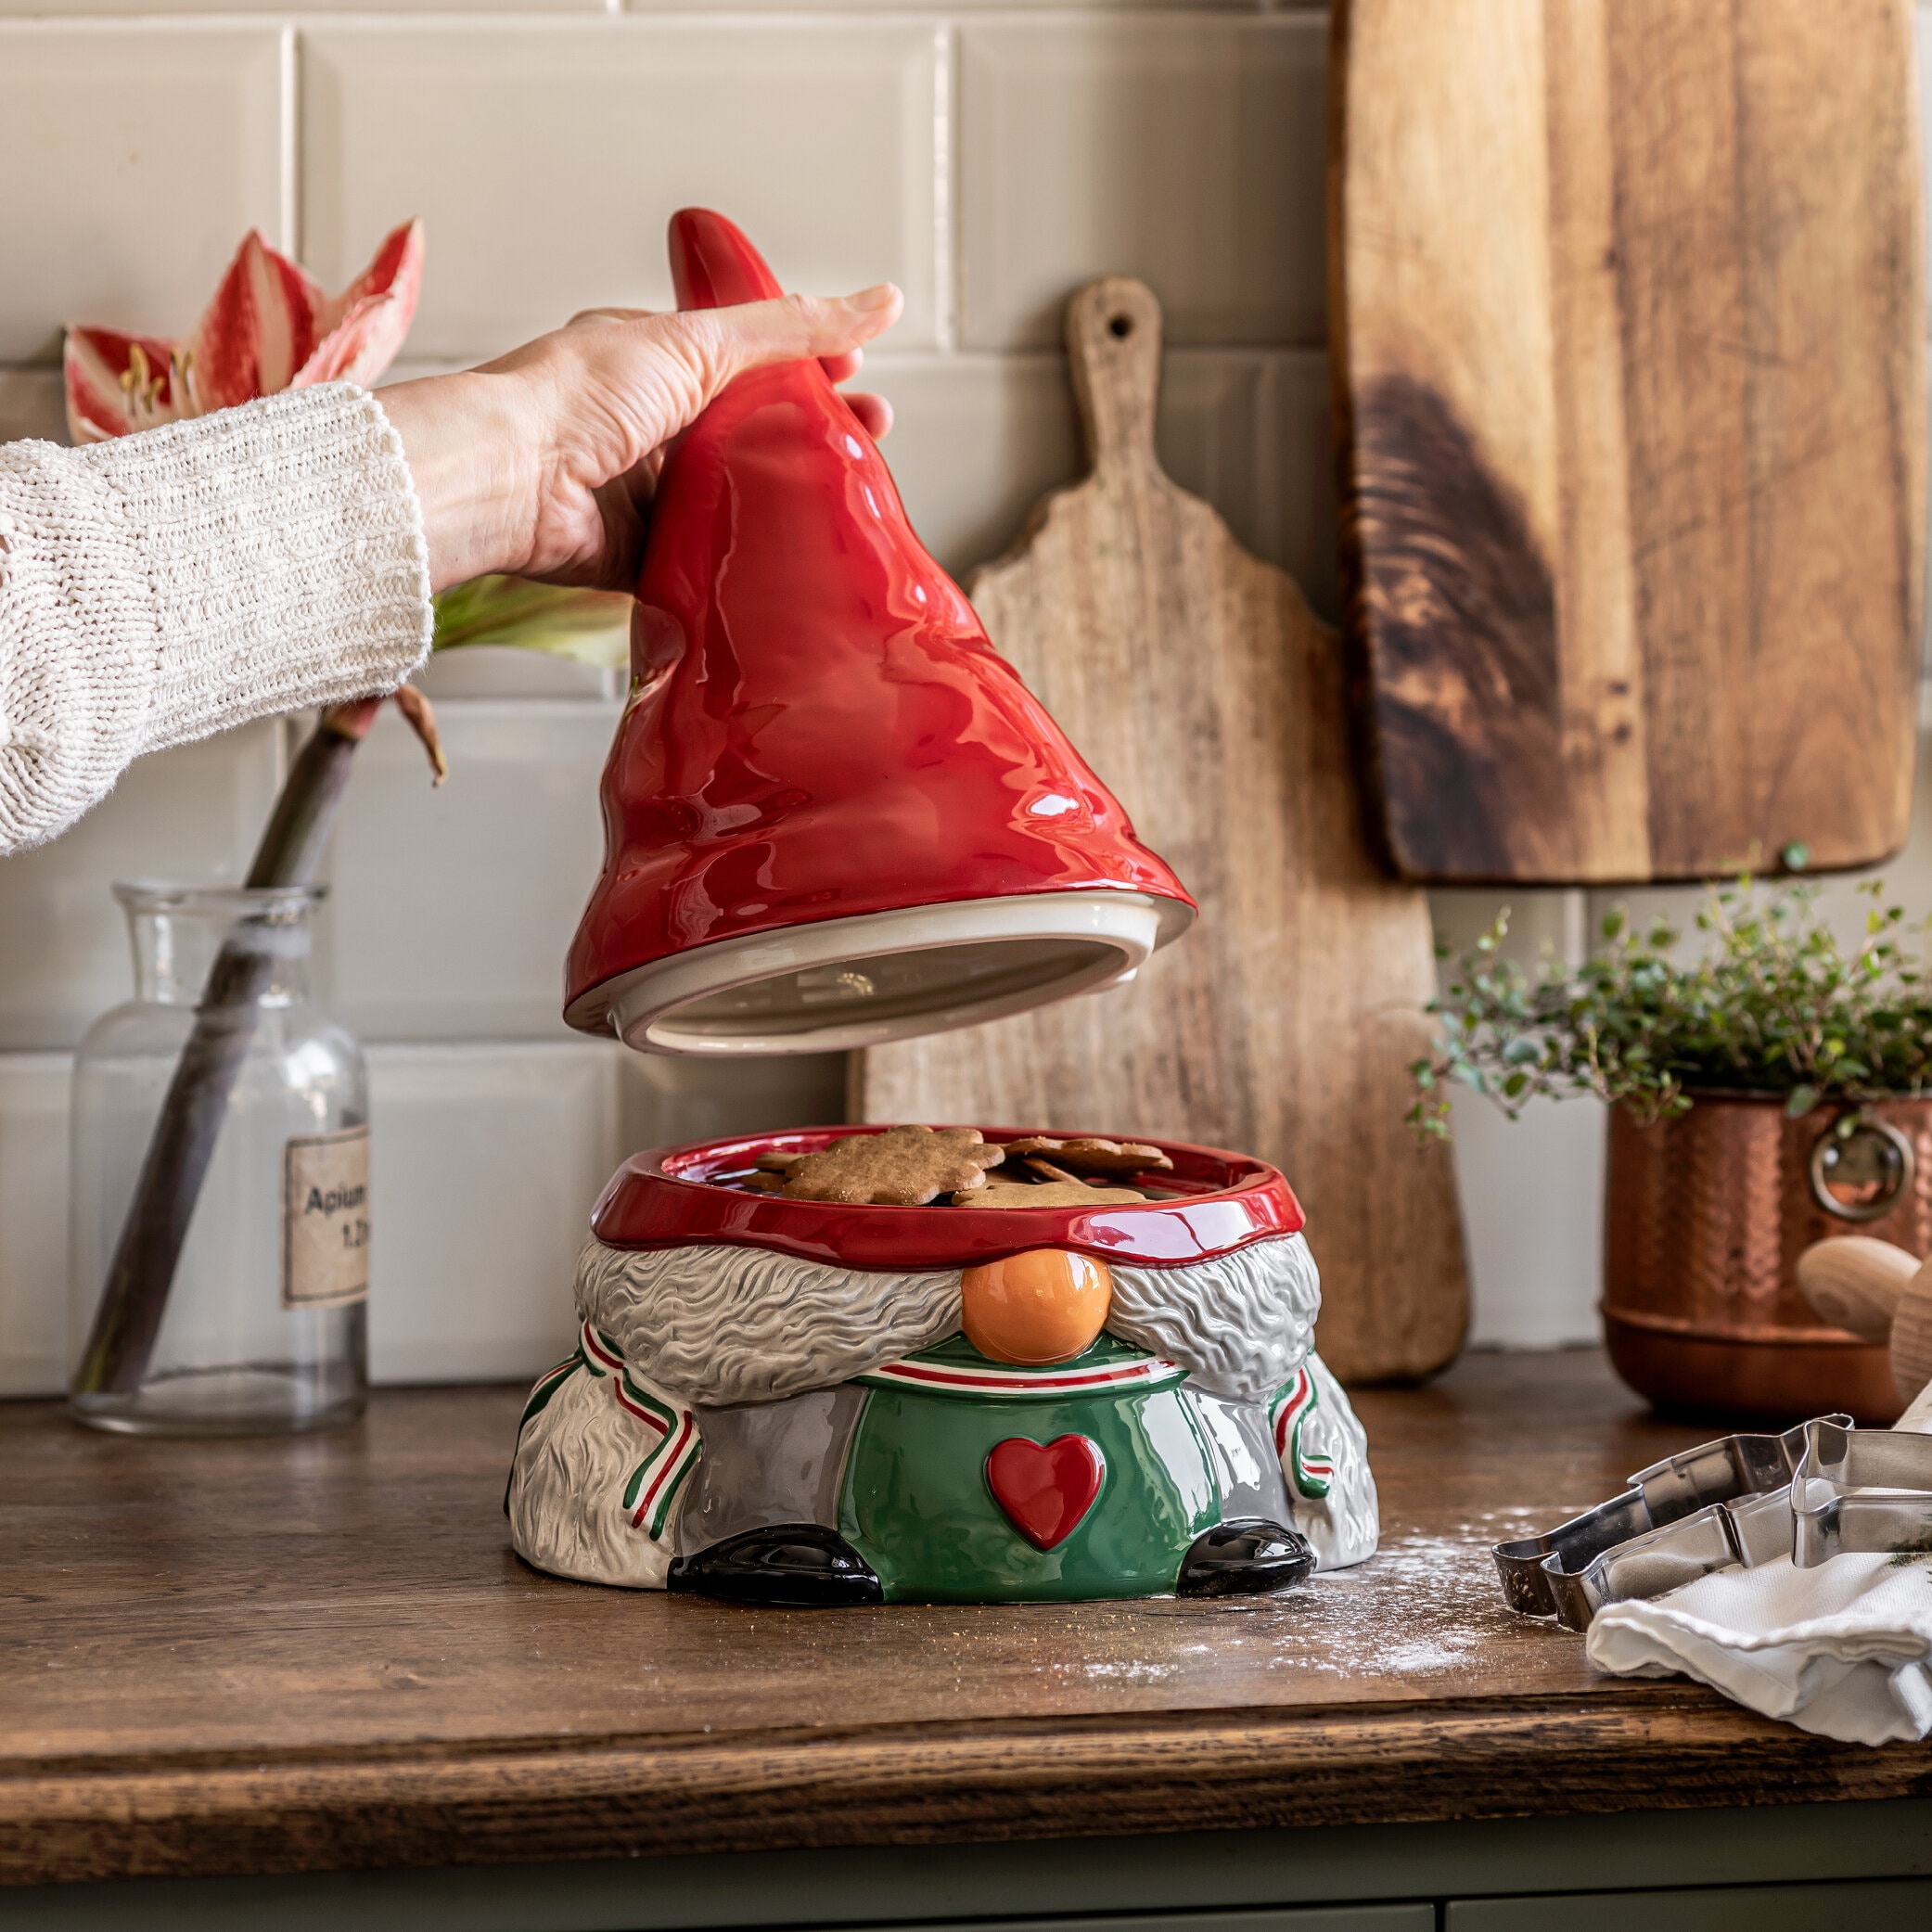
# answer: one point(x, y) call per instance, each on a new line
point(1121, 325)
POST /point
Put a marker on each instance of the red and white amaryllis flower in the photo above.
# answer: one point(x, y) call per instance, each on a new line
point(270, 328)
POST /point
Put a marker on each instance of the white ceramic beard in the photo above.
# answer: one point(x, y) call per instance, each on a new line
point(1240, 1324)
point(1344, 1526)
point(566, 1495)
point(717, 1325)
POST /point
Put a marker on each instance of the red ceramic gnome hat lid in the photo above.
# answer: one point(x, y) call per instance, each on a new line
point(832, 814)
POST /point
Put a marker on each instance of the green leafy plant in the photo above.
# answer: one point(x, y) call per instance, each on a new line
point(1774, 1005)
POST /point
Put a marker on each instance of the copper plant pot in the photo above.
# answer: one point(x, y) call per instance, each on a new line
point(1704, 1219)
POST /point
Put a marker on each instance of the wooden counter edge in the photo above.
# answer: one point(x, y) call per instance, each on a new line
point(1640, 1747)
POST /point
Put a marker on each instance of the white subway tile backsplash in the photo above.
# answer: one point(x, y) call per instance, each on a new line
point(85, 9)
point(33, 403)
point(484, 1164)
point(965, 7)
point(451, 908)
point(1544, 921)
point(979, 439)
point(502, 672)
point(1532, 1199)
point(1298, 501)
point(664, 1102)
point(1186, 150)
point(32, 1223)
point(193, 814)
point(545, 159)
point(1532, 1189)
point(1250, 434)
point(134, 155)
point(486, 1161)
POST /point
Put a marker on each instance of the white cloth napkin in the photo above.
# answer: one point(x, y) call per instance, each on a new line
point(1844, 1650)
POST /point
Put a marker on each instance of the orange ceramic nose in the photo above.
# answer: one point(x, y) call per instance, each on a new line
point(1039, 1307)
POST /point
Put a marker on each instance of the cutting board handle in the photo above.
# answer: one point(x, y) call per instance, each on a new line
point(1113, 341)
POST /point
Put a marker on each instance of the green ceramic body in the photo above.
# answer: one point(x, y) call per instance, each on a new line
point(917, 1504)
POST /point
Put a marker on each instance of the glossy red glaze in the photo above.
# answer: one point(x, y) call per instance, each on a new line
point(817, 727)
point(1213, 1203)
point(1045, 1489)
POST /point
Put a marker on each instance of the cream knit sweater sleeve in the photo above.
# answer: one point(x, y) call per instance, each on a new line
point(169, 584)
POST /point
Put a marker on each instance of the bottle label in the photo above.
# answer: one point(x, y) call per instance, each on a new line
point(325, 1219)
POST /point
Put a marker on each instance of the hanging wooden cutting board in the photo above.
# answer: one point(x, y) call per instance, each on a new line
point(1627, 322)
point(1200, 685)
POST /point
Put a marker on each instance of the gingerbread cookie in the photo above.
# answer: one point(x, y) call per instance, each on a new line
point(1036, 1169)
point(1090, 1154)
point(1050, 1194)
point(904, 1167)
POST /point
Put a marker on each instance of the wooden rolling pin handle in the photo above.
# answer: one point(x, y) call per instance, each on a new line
point(1856, 1282)
point(1878, 1291)
point(1113, 342)
point(1911, 1335)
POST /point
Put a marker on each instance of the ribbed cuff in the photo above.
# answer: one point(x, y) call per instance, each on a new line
point(284, 554)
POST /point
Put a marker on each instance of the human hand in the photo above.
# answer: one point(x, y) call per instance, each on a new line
point(543, 462)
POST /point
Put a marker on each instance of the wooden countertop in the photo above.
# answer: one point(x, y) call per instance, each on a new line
point(321, 1653)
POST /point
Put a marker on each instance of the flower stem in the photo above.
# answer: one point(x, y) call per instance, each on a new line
point(182, 1144)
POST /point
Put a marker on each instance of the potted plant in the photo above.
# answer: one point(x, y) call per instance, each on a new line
point(1765, 1094)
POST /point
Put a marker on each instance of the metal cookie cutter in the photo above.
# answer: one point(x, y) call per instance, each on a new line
point(1837, 1505)
point(1724, 1503)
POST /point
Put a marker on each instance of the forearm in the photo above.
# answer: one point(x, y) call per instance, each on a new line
point(164, 586)
point(473, 442)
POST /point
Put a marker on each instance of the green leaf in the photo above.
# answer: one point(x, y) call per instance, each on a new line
point(1774, 1004)
point(589, 626)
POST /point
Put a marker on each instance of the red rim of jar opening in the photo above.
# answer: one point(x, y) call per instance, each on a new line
point(1212, 1203)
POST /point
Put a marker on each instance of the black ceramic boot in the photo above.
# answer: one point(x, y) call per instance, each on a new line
point(1244, 1558)
point(798, 1565)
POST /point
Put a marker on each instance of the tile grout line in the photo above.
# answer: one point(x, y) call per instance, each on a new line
point(945, 243)
point(288, 214)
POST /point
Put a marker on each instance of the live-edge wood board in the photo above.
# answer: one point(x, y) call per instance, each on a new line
point(1627, 322)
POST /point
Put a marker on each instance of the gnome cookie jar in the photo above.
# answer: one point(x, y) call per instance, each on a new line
point(806, 1376)
point(855, 1365)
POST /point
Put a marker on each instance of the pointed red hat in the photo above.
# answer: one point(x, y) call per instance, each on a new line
point(832, 814)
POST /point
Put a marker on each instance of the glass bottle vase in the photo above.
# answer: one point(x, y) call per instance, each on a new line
point(237, 1112)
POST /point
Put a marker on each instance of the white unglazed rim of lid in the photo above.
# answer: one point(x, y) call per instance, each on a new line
point(641, 1006)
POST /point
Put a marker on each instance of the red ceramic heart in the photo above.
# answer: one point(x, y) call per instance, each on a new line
point(1046, 1489)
